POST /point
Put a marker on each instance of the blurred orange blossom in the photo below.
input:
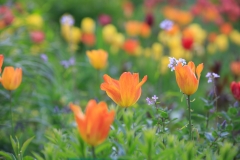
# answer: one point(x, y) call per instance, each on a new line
point(11, 78)
point(94, 126)
point(186, 77)
point(126, 91)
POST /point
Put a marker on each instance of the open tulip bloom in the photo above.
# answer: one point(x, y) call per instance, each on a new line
point(95, 124)
point(11, 78)
point(126, 91)
point(186, 77)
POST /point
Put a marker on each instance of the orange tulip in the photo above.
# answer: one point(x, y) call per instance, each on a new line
point(11, 79)
point(186, 77)
point(126, 91)
point(98, 58)
point(95, 124)
point(1, 62)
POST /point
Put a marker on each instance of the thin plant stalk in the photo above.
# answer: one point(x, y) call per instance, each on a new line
point(10, 102)
point(99, 81)
point(215, 94)
point(207, 119)
point(189, 118)
point(93, 152)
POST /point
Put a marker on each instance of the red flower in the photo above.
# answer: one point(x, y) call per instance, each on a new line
point(187, 43)
point(235, 88)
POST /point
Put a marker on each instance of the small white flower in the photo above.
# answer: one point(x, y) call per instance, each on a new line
point(173, 62)
point(211, 76)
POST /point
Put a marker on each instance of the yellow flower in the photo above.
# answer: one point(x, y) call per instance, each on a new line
point(95, 124)
point(186, 77)
point(235, 37)
point(126, 91)
point(88, 25)
point(98, 58)
point(221, 42)
point(108, 33)
point(11, 78)
point(72, 34)
point(34, 21)
point(157, 50)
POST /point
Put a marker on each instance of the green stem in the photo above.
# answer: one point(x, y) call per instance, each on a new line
point(93, 152)
point(99, 82)
point(189, 118)
point(10, 101)
point(215, 94)
point(207, 120)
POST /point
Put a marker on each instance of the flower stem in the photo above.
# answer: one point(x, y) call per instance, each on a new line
point(207, 120)
point(189, 118)
point(10, 102)
point(215, 94)
point(93, 152)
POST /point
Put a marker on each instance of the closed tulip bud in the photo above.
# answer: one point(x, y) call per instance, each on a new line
point(94, 126)
point(1, 62)
point(186, 77)
point(98, 58)
point(126, 91)
point(11, 78)
point(235, 89)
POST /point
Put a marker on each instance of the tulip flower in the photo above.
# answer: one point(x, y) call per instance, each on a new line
point(98, 58)
point(235, 68)
point(88, 25)
point(126, 91)
point(235, 89)
point(95, 124)
point(1, 62)
point(11, 78)
point(186, 77)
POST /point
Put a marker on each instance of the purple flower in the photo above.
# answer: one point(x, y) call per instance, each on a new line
point(166, 24)
point(68, 63)
point(154, 98)
point(211, 76)
point(67, 19)
point(44, 57)
point(149, 101)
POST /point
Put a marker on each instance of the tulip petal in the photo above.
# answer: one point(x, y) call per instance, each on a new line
point(127, 88)
point(199, 70)
point(192, 66)
point(111, 86)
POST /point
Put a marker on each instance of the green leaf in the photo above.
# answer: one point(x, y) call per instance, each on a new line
point(209, 136)
point(14, 146)
point(36, 155)
point(7, 155)
point(232, 111)
point(199, 116)
point(28, 158)
point(25, 145)
point(224, 134)
point(214, 134)
point(229, 128)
